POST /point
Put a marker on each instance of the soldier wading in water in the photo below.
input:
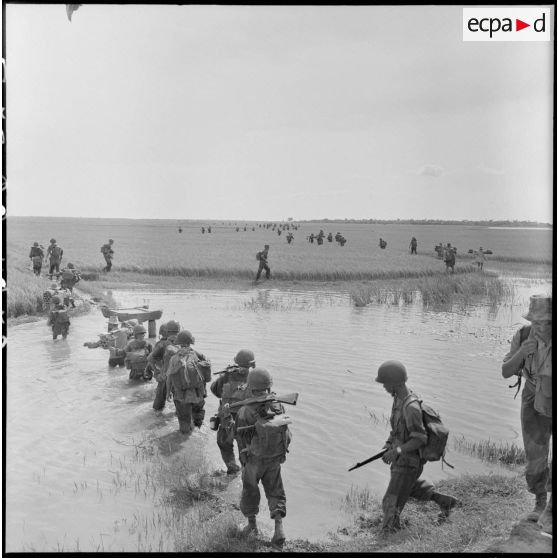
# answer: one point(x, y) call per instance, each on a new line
point(263, 444)
point(230, 387)
point(407, 437)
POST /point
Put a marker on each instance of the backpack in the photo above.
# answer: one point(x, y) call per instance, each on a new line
point(186, 363)
point(61, 317)
point(258, 256)
point(436, 431)
point(67, 276)
point(272, 437)
point(56, 253)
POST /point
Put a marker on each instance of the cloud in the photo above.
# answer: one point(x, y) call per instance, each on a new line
point(430, 170)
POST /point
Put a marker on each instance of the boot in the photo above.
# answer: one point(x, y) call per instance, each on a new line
point(251, 527)
point(540, 503)
point(546, 518)
point(278, 539)
point(446, 503)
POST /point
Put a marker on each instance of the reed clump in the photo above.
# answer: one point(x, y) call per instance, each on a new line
point(25, 293)
point(491, 451)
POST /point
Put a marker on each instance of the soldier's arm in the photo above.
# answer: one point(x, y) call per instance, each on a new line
point(415, 426)
point(515, 359)
point(217, 386)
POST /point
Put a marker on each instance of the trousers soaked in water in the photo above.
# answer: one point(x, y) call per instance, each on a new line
point(404, 483)
point(268, 471)
point(225, 441)
point(189, 412)
point(536, 430)
point(160, 395)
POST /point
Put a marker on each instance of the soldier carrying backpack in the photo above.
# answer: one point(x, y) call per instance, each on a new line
point(58, 318)
point(412, 442)
point(188, 372)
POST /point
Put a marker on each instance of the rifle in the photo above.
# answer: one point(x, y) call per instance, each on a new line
point(289, 398)
point(279, 420)
point(229, 368)
point(369, 460)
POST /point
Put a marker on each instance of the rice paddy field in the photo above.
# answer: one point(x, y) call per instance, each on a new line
point(155, 247)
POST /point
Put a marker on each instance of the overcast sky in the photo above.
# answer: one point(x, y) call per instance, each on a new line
point(253, 112)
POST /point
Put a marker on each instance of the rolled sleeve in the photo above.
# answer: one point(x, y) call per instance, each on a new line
point(515, 344)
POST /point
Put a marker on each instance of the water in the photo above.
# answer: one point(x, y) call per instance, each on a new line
point(74, 425)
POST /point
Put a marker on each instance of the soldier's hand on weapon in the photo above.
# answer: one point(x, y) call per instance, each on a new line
point(390, 456)
point(528, 347)
point(226, 410)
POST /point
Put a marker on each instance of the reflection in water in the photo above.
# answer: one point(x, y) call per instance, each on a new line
point(66, 464)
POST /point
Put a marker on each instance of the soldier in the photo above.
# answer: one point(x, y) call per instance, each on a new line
point(230, 387)
point(187, 374)
point(36, 255)
point(449, 257)
point(407, 437)
point(70, 277)
point(114, 341)
point(261, 456)
point(290, 237)
point(203, 230)
point(530, 357)
point(413, 246)
point(54, 254)
point(311, 238)
point(137, 351)
point(59, 319)
point(262, 257)
point(480, 258)
point(329, 237)
point(382, 243)
point(342, 240)
point(108, 254)
point(159, 360)
point(209, 229)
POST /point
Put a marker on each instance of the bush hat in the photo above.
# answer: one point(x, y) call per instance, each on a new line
point(540, 308)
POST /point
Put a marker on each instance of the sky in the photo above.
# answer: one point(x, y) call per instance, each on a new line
point(266, 113)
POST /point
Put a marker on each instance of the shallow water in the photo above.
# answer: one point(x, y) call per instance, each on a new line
point(76, 473)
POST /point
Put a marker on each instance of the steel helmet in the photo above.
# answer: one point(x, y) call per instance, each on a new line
point(173, 327)
point(133, 322)
point(70, 265)
point(392, 372)
point(259, 378)
point(111, 241)
point(53, 240)
point(245, 358)
point(55, 299)
point(163, 330)
point(54, 285)
point(139, 329)
point(113, 320)
point(185, 338)
point(35, 243)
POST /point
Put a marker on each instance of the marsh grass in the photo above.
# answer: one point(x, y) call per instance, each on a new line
point(25, 293)
point(491, 451)
point(442, 289)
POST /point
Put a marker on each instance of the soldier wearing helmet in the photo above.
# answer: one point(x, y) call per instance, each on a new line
point(137, 351)
point(407, 437)
point(70, 277)
point(230, 387)
point(262, 461)
point(108, 254)
point(54, 254)
point(262, 258)
point(114, 341)
point(187, 373)
point(58, 318)
point(36, 255)
point(159, 360)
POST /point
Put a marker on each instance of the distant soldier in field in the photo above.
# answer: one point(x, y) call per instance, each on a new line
point(137, 351)
point(290, 237)
point(187, 374)
point(408, 435)
point(439, 249)
point(203, 230)
point(108, 253)
point(279, 232)
point(330, 237)
point(230, 387)
point(54, 255)
point(449, 257)
point(480, 258)
point(342, 240)
point(159, 360)
point(530, 358)
point(337, 236)
point(237, 229)
point(311, 238)
point(262, 258)
point(36, 255)
point(413, 246)
point(209, 229)
point(382, 243)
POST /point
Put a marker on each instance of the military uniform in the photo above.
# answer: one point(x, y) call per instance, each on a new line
point(230, 387)
point(536, 411)
point(134, 359)
point(264, 468)
point(36, 255)
point(108, 253)
point(60, 321)
point(189, 400)
point(263, 265)
point(406, 469)
point(54, 253)
point(159, 359)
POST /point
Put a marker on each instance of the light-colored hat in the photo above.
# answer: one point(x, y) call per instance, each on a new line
point(113, 320)
point(540, 308)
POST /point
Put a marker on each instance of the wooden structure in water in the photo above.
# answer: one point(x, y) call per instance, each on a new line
point(139, 313)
